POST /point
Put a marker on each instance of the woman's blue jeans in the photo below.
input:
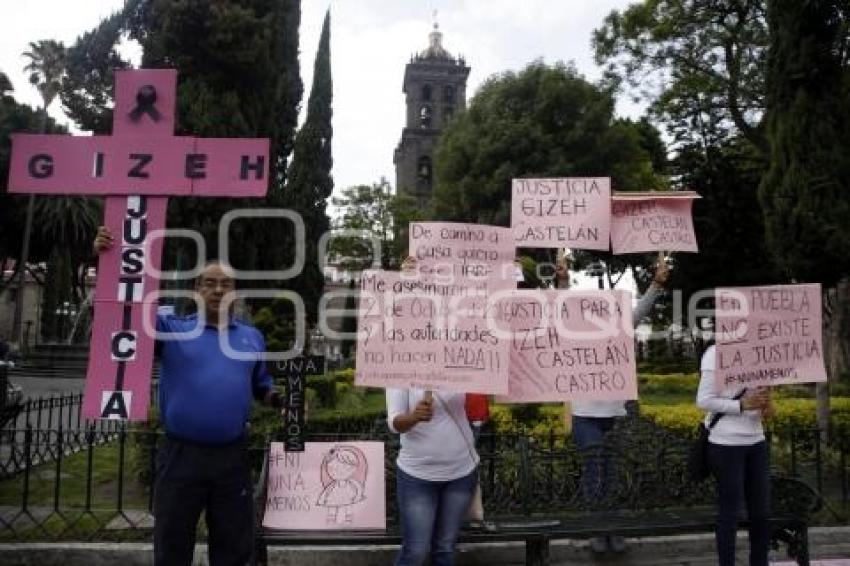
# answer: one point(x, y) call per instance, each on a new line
point(599, 476)
point(432, 513)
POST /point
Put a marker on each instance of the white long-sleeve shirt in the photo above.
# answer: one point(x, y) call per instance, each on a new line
point(606, 409)
point(736, 428)
point(442, 449)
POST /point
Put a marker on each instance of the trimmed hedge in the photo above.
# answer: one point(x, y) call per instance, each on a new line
point(683, 418)
point(668, 384)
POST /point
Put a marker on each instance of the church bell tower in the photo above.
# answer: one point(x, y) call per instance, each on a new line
point(435, 89)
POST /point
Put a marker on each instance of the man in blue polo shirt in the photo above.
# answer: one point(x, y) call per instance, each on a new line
point(205, 397)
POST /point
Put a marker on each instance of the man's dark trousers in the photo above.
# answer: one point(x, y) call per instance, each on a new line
point(193, 477)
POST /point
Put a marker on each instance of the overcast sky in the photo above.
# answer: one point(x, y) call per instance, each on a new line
point(371, 41)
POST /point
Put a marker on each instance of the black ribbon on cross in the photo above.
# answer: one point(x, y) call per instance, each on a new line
point(146, 104)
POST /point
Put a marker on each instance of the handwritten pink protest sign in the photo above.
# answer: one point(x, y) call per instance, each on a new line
point(329, 486)
point(769, 335)
point(418, 332)
point(474, 251)
point(652, 222)
point(571, 212)
point(569, 345)
point(140, 160)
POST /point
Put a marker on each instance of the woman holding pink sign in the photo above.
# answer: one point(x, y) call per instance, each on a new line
point(739, 458)
point(593, 420)
point(436, 472)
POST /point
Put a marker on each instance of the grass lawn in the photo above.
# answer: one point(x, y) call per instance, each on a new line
point(73, 485)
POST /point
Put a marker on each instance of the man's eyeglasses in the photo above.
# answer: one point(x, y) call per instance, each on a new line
point(226, 284)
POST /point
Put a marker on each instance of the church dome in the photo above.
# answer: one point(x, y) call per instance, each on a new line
point(435, 49)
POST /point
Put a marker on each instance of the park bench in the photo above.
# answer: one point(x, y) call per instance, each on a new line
point(532, 494)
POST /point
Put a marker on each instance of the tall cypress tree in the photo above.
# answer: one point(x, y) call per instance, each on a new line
point(290, 88)
point(805, 193)
point(309, 179)
point(238, 77)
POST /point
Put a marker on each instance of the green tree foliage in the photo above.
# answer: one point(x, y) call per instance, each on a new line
point(66, 223)
point(57, 291)
point(5, 85)
point(773, 74)
point(90, 63)
point(309, 183)
point(238, 78)
point(701, 64)
point(805, 193)
point(727, 220)
point(46, 67)
point(375, 210)
point(544, 121)
point(63, 226)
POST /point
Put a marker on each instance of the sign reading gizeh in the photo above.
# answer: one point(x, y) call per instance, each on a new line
point(134, 168)
point(569, 212)
point(653, 222)
point(569, 345)
point(424, 333)
point(768, 335)
point(330, 486)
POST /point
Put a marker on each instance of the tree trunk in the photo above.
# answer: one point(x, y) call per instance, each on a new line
point(836, 344)
point(838, 330)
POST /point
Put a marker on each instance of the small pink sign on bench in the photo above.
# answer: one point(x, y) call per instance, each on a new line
point(330, 486)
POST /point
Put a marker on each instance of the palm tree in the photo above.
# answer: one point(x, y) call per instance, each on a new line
point(46, 68)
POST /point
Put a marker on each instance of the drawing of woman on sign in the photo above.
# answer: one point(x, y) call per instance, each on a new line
point(343, 475)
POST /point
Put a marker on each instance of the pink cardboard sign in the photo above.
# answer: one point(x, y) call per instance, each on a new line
point(570, 345)
point(651, 223)
point(451, 249)
point(137, 109)
point(329, 486)
point(142, 156)
point(417, 332)
point(232, 167)
point(120, 362)
point(571, 212)
point(126, 270)
point(150, 165)
point(140, 159)
point(769, 335)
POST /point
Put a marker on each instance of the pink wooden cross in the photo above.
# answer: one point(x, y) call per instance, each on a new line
point(135, 169)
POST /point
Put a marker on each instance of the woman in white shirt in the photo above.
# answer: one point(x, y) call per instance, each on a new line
point(436, 472)
point(738, 455)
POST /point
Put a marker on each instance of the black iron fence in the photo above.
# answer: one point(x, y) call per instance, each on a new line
point(53, 420)
point(91, 483)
